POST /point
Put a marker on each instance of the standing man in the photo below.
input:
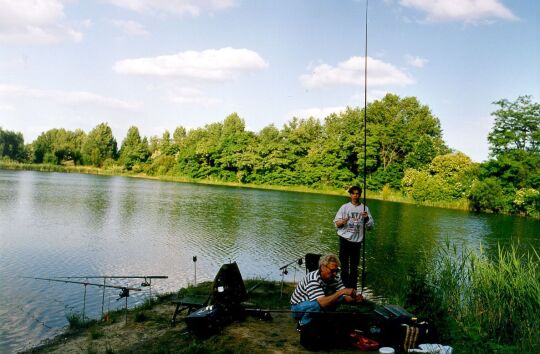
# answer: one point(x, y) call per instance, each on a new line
point(349, 222)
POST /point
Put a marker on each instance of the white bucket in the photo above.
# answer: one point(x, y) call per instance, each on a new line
point(386, 350)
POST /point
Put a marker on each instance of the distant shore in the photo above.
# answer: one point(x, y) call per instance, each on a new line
point(385, 195)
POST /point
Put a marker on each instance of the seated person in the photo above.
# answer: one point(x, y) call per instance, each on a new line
point(320, 290)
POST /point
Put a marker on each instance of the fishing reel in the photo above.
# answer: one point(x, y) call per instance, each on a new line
point(123, 293)
point(285, 270)
point(145, 283)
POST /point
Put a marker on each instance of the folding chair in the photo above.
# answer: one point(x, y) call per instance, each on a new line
point(312, 262)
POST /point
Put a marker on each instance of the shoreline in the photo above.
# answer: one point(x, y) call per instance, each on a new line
point(387, 196)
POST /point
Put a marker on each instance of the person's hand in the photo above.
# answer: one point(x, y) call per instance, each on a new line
point(365, 215)
point(359, 298)
point(349, 292)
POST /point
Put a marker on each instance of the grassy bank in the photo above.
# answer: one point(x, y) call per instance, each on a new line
point(386, 194)
point(482, 305)
point(148, 329)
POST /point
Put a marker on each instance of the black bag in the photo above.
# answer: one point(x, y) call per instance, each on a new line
point(205, 321)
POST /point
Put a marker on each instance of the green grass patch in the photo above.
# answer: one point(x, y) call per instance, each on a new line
point(77, 322)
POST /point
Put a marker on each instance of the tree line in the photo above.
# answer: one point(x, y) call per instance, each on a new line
point(404, 151)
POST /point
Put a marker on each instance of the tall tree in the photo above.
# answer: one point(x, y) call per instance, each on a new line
point(12, 145)
point(516, 126)
point(398, 125)
point(134, 150)
point(58, 145)
point(99, 145)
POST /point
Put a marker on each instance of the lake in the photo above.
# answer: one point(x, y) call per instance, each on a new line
point(54, 225)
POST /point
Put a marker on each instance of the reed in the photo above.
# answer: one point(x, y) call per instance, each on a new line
point(483, 303)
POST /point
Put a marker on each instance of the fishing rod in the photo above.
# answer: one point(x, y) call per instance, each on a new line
point(124, 293)
point(145, 283)
point(85, 283)
point(115, 277)
point(365, 155)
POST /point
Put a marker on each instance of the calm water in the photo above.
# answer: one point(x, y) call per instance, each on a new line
point(66, 224)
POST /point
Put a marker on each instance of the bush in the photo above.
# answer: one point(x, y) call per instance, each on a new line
point(527, 201)
point(50, 158)
point(486, 195)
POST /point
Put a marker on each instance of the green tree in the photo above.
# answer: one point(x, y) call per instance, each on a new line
point(515, 154)
point(401, 127)
point(179, 135)
point(486, 195)
point(299, 135)
point(12, 145)
point(199, 150)
point(57, 146)
point(99, 145)
point(270, 158)
point(516, 126)
point(448, 177)
point(134, 150)
point(166, 144)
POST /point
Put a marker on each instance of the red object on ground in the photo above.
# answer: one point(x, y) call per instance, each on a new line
point(362, 342)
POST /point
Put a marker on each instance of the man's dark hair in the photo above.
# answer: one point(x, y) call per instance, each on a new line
point(355, 188)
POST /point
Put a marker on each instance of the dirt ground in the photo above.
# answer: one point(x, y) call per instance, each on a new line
point(155, 335)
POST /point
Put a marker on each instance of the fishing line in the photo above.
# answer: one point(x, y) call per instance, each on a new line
point(29, 314)
point(365, 155)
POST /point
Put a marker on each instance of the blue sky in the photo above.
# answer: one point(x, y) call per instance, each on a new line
point(159, 64)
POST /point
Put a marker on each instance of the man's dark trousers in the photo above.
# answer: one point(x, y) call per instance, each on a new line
point(349, 256)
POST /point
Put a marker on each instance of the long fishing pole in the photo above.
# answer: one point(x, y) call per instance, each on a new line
point(365, 155)
point(115, 277)
point(85, 283)
point(124, 293)
point(105, 277)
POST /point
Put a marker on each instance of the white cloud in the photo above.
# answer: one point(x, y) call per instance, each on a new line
point(351, 72)
point(209, 65)
point(130, 27)
point(6, 107)
point(468, 11)
point(34, 22)
point(177, 7)
point(193, 96)
point(416, 61)
point(315, 112)
point(69, 98)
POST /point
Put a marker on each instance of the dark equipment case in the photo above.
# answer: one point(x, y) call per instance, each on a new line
point(387, 325)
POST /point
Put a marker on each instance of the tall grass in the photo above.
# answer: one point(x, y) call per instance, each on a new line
point(482, 304)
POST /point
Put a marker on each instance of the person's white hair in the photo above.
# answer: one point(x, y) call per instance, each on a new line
point(329, 258)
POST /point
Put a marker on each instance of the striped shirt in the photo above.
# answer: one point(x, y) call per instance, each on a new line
point(313, 287)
